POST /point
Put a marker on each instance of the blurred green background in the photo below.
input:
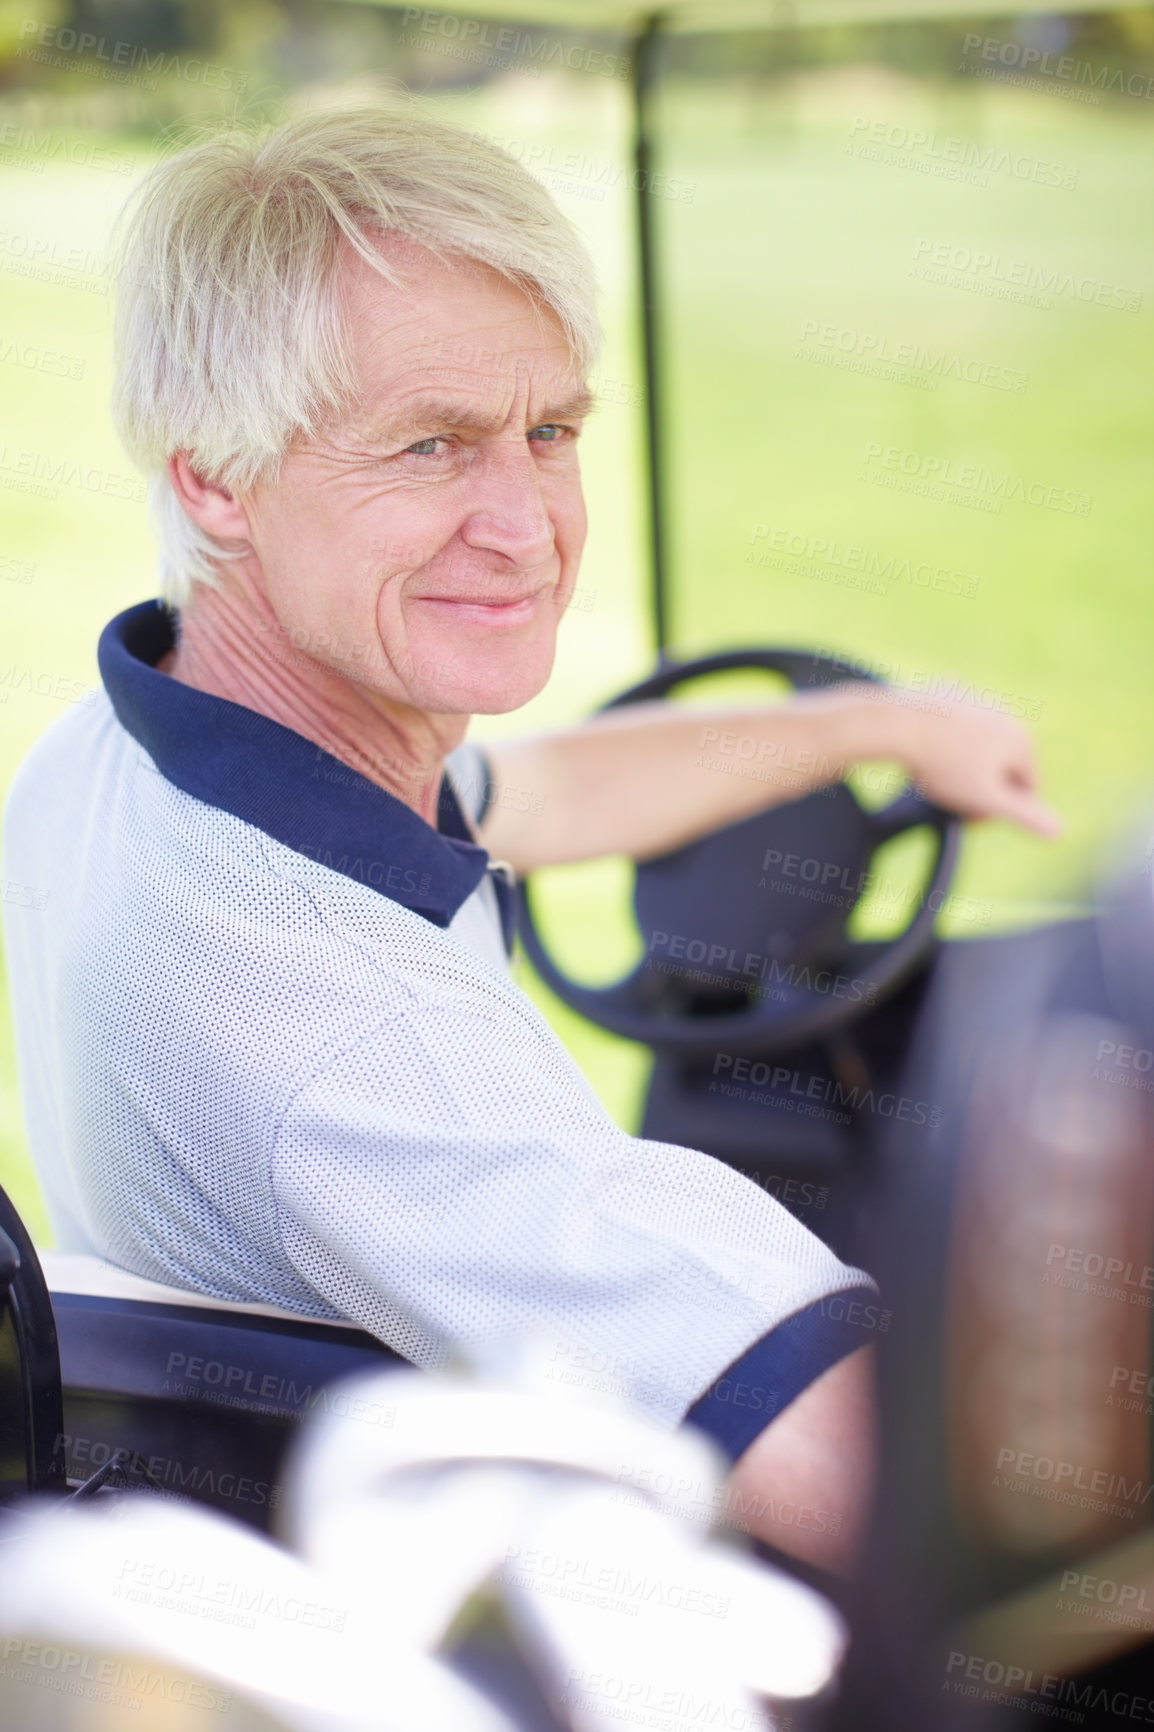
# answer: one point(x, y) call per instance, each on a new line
point(893, 254)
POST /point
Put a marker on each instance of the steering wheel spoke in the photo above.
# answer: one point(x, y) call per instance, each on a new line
point(908, 812)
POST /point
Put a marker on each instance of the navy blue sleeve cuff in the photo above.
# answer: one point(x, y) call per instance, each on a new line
point(769, 1375)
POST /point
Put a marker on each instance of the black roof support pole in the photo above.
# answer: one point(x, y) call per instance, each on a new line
point(646, 50)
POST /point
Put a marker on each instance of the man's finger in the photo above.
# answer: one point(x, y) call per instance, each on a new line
point(1033, 814)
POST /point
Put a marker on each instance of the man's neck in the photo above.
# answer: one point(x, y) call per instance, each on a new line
point(231, 644)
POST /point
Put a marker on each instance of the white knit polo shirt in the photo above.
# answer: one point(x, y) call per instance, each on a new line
point(269, 1051)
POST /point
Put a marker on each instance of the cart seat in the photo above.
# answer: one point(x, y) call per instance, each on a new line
point(206, 1394)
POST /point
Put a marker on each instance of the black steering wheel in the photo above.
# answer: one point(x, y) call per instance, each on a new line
point(745, 929)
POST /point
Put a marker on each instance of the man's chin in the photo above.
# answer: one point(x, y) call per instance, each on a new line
point(483, 683)
point(481, 699)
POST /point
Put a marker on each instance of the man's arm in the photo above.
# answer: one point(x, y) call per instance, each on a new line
point(652, 777)
point(804, 1484)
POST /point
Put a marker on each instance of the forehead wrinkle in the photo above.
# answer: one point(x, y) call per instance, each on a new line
point(457, 414)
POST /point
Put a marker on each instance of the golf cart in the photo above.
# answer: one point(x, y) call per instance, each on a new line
point(753, 997)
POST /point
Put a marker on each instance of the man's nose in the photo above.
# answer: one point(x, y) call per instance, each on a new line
point(510, 514)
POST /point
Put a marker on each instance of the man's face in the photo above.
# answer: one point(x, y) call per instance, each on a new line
point(427, 545)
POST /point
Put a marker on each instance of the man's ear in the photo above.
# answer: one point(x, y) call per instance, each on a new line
point(216, 509)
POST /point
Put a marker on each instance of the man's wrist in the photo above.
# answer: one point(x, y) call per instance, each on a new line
point(865, 722)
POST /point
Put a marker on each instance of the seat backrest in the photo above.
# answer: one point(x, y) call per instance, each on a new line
point(31, 1413)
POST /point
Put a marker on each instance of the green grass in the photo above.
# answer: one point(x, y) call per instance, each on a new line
point(783, 227)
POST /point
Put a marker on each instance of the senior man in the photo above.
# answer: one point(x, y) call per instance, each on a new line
point(269, 1044)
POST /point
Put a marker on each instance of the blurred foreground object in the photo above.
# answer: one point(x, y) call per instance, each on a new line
point(443, 1527)
point(1011, 1568)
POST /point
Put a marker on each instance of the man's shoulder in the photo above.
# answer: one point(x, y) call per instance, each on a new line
point(61, 757)
point(145, 878)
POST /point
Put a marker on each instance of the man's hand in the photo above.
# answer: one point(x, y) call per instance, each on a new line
point(967, 759)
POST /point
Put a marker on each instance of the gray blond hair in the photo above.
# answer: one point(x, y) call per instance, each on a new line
point(230, 341)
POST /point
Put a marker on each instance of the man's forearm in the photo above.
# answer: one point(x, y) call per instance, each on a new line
point(806, 1483)
point(653, 777)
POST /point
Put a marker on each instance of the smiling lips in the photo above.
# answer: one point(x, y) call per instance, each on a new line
point(500, 610)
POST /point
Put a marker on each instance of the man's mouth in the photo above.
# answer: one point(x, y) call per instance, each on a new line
point(496, 610)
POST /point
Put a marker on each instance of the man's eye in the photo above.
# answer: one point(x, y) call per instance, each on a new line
point(550, 434)
point(423, 447)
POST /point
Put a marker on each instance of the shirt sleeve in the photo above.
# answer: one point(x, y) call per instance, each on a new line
point(451, 1183)
point(738, 1405)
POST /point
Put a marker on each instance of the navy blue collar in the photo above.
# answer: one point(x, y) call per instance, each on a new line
point(244, 763)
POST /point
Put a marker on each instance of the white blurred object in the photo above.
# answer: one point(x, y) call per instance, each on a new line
point(614, 1609)
point(606, 1584)
point(414, 1420)
point(425, 1498)
point(194, 1593)
point(589, 1521)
